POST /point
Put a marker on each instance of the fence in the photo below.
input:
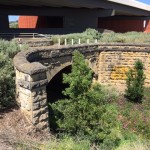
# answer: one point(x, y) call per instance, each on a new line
point(22, 35)
point(66, 42)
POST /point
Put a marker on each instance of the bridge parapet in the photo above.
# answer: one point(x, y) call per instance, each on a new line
point(37, 66)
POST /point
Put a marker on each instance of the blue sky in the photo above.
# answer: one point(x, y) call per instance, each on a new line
point(14, 18)
point(145, 1)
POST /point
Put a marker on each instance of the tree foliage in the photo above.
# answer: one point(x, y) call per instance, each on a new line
point(86, 110)
point(7, 74)
point(135, 83)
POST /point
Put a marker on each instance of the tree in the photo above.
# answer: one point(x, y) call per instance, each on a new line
point(135, 83)
point(86, 110)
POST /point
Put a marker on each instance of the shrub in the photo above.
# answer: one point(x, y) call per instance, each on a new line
point(7, 74)
point(135, 83)
point(86, 110)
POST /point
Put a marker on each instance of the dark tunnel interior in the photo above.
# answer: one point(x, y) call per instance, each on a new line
point(56, 86)
point(54, 93)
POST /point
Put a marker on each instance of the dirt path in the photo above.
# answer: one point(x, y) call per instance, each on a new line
point(15, 129)
point(5, 145)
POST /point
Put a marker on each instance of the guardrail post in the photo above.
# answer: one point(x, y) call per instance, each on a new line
point(72, 42)
point(79, 41)
point(65, 42)
point(95, 40)
point(58, 42)
point(88, 41)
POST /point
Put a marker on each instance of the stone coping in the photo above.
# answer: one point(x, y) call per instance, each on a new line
point(28, 61)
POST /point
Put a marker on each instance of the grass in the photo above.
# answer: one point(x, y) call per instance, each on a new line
point(111, 37)
point(134, 145)
point(65, 143)
point(135, 120)
point(136, 117)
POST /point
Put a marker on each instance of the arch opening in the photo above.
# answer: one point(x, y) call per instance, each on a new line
point(54, 93)
point(56, 86)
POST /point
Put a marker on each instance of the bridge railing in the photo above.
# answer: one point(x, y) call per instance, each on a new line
point(78, 42)
point(22, 35)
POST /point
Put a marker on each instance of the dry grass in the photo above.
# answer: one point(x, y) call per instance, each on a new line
point(137, 145)
point(15, 130)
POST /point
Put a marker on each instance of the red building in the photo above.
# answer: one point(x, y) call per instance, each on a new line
point(117, 24)
point(125, 24)
point(40, 22)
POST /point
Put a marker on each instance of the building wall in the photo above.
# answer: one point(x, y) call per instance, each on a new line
point(125, 24)
point(27, 21)
point(78, 20)
point(147, 28)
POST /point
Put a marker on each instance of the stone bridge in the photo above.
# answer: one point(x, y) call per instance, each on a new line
point(39, 73)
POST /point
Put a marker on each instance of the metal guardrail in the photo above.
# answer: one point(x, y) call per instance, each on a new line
point(23, 35)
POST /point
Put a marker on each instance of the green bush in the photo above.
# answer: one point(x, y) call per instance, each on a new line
point(135, 83)
point(86, 110)
point(7, 74)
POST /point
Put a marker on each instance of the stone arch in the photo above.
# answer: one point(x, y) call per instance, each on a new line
point(52, 72)
point(36, 67)
point(34, 70)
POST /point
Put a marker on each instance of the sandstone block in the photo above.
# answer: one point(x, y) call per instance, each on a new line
point(36, 113)
point(36, 106)
point(35, 120)
point(43, 103)
point(43, 117)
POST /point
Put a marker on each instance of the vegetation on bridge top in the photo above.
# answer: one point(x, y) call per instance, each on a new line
point(109, 37)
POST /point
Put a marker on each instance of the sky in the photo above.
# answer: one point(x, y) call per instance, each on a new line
point(14, 18)
point(144, 1)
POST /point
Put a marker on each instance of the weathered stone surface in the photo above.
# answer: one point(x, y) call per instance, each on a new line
point(38, 77)
point(36, 113)
point(39, 98)
point(36, 106)
point(35, 120)
point(32, 85)
point(43, 117)
point(24, 91)
point(43, 126)
point(115, 64)
point(43, 103)
point(28, 106)
point(44, 109)
point(39, 91)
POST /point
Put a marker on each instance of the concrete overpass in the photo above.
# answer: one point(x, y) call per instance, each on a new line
point(77, 14)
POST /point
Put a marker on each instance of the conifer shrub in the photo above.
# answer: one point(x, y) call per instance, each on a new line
point(135, 83)
point(86, 110)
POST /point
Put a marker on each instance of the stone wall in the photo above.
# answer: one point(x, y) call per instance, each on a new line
point(32, 97)
point(37, 66)
point(113, 66)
